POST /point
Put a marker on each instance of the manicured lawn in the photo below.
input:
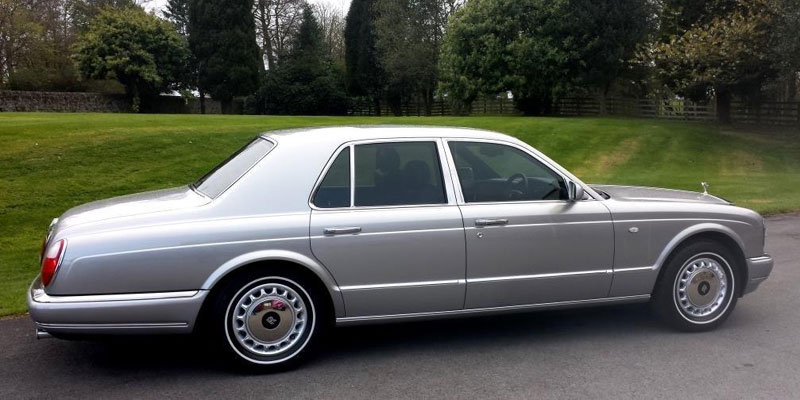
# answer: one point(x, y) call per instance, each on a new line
point(51, 162)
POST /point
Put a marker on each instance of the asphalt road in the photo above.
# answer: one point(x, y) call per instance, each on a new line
point(613, 352)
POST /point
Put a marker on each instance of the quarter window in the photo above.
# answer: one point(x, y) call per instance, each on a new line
point(490, 172)
point(398, 173)
point(334, 190)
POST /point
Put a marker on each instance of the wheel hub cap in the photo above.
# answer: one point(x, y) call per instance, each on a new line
point(268, 319)
point(701, 287)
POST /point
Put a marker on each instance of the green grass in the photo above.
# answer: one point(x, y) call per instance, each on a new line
point(51, 162)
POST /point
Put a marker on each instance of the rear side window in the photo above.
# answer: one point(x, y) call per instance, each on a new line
point(398, 173)
point(334, 190)
point(229, 171)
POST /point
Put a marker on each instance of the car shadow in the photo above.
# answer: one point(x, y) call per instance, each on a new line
point(357, 343)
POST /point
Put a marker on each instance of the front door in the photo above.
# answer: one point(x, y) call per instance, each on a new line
point(526, 243)
point(390, 231)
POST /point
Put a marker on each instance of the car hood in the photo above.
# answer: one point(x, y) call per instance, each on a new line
point(131, 205)
point(639, 193)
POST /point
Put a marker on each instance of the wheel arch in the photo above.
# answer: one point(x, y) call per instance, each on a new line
point(711, 231)
point(286, 259)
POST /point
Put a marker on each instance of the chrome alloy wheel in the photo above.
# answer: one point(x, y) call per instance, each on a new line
point(701, 286)
point(269, 319)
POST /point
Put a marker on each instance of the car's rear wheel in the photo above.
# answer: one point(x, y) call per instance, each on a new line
point(698, 288)
point(267, 323)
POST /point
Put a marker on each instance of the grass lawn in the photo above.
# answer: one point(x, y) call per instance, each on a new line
point(52, 162)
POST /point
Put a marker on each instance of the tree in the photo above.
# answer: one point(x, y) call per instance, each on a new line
point(277, 21)
point(82, 12)
point(538, 49)
point(304, 81)
point(177, 12)
point(409, 37)
point(35, 46)
point(222, 38)
point(331, 22)
point(730, 54)
point(364, 76)
point(143, 52)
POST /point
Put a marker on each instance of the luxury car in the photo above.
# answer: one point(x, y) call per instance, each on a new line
point(303, 230)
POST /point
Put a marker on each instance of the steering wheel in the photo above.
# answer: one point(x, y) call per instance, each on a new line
point(518, 184)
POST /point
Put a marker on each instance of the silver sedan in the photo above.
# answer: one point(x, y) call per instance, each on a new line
point(303, 230)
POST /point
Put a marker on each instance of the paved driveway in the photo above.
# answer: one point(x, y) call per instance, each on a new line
point(612, 352)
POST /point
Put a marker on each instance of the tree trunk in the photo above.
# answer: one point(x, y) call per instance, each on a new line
point(723, 100)
point(377, 102)
point(202, 101)
point(226, 105)
point(267, 48)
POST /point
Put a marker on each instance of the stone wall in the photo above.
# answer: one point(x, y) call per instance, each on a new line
point(14, 100)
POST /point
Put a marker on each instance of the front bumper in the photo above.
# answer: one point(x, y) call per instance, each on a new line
point(131, 313)
point(758, 269)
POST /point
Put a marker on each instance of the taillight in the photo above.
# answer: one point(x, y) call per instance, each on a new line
point(51, 260)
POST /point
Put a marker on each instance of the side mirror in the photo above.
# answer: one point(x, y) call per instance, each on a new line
point(574, 191)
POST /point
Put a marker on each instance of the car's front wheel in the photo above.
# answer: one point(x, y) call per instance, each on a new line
point(266, 323)
point(698, 288)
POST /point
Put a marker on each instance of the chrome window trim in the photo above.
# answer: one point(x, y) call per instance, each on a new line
point(545, 163)
point(450, 196)
point(262, 137)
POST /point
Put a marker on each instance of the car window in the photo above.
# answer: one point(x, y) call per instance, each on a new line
point(229, 171)
point(334, 190)
point(495, 172)
point(398, 173)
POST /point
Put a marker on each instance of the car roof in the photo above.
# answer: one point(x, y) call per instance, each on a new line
point(364, 132)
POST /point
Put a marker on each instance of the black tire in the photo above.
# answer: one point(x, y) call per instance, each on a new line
point(220, 322)
point(672, 295)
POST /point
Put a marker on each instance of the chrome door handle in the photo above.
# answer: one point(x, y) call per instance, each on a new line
point(341, 231)
point(490, 221)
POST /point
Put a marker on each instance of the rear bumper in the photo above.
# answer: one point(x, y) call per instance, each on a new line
point(758, 269)
point(133, 313)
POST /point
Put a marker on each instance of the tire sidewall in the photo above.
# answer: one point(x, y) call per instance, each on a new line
point(665, 298)
point(220, 323)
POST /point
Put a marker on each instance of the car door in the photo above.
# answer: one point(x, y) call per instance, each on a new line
point(526, 242)
point(386, 224)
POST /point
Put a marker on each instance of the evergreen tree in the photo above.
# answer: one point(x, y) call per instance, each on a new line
point(364, 76)
point(304, 80)
point(223, 40)
point(177, 11)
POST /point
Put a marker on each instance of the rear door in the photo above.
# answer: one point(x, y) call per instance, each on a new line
point(386, 224)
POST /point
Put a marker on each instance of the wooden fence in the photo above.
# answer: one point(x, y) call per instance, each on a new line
point(767, 113)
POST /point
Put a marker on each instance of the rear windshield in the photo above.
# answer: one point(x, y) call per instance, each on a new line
point(229, 171)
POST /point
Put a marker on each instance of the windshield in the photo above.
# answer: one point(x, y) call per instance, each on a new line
point(229, 171)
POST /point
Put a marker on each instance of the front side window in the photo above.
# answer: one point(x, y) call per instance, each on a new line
point(229, 171)
point(490, 172)
point(398, 173)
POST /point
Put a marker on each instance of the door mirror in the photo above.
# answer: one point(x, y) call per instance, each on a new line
point(575, 191)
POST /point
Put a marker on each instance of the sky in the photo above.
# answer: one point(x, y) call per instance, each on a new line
point(343, 4)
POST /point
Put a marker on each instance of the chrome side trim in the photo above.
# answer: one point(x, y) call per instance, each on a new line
point(396, 232)
point(40, 296)
point(680, 219)
point(632, 269)
point(403, 284)
point(478, 311)
point(190, 246)
point(141, 325)
point(537, 276)
point(760, 259)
